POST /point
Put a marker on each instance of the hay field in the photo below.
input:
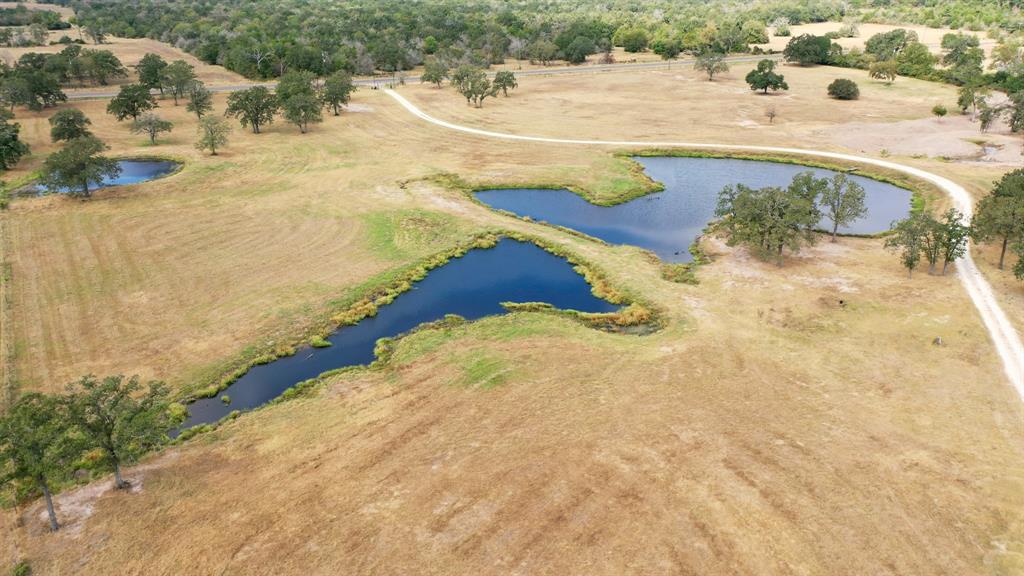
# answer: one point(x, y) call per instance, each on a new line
point(768, 429)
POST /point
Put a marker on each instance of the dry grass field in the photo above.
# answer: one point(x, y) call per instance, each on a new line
point(931, 37)
point(130, 51)
point(767, 429)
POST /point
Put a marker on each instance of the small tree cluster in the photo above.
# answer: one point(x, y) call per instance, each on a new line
point(999, 216)
point(473, 84)
point(42, 437)
point(771, 219)
point(922, 236)
point(299, 101)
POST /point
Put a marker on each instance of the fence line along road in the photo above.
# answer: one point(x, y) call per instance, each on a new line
point(384, 82)
point(1002, 332)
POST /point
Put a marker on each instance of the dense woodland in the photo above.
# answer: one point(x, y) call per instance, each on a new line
point(264, 39)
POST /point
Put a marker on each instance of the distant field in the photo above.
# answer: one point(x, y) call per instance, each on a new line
point(130, 51)
point(931, 37)
point(768, 429)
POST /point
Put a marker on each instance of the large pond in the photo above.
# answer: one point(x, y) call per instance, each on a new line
point(132, 172)
point(668, 222)
point(472, 286)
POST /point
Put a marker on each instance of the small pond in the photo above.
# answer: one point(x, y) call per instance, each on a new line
point(132, 172)
point(472, 287)
point(668, 222)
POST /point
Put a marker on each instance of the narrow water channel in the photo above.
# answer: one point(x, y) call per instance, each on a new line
point(473, 286)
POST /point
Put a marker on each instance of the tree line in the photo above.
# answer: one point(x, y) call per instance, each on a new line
point(264, 39)
point(772, 220)
point(469, 81)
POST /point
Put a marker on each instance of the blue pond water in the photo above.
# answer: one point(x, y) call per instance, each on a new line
point(132, 172)
point(472, 286)
point(668, 222)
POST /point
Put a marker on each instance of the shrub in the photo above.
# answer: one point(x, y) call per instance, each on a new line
point(843, 89)
point(225, 399)
point(319, 342)
point(939, 110)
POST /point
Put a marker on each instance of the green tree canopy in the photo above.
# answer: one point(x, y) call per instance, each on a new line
point(130, 102)
point(213, 134)
point(68, 124)
point(200, 99)
point(302, 110)
point(711, 63)
point(888, 45)
point(842, 202)
point(953, 237)
point(178, 76)
point(79, 166)
point(807, 49)
point(578, 50)
point(907, 237)
point(770, 219)
point(12, 149)
point(764, 78)
point(119, 418)
point(294, 83)
point(434, 72)
point(999, 216)
point(473, 84)
point(631, 38)
point(505, 80)
point(151, 125)
point(151, 71)
point(843, 89)
point(885, 70)
point(35, 446)
point(253, 107)
point(338, 90)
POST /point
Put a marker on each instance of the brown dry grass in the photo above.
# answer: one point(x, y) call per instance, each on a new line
point(679, 104)
point(767, 430)
point(773, 432)
point(931, 37)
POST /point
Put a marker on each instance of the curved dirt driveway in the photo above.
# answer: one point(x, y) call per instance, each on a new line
point(1004, 336)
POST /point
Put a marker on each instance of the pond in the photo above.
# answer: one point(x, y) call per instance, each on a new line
point(132, 172)
point(668, 222)
point(472, 286)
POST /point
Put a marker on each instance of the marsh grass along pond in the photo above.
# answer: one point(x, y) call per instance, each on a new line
point(132, 172)
point(668, 222)
point(472, 286)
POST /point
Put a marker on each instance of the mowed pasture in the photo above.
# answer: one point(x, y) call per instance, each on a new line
point(785, 421)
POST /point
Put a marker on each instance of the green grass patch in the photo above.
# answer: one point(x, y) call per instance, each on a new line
point(319, 342)
point(398, 235)
point(482, 369)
